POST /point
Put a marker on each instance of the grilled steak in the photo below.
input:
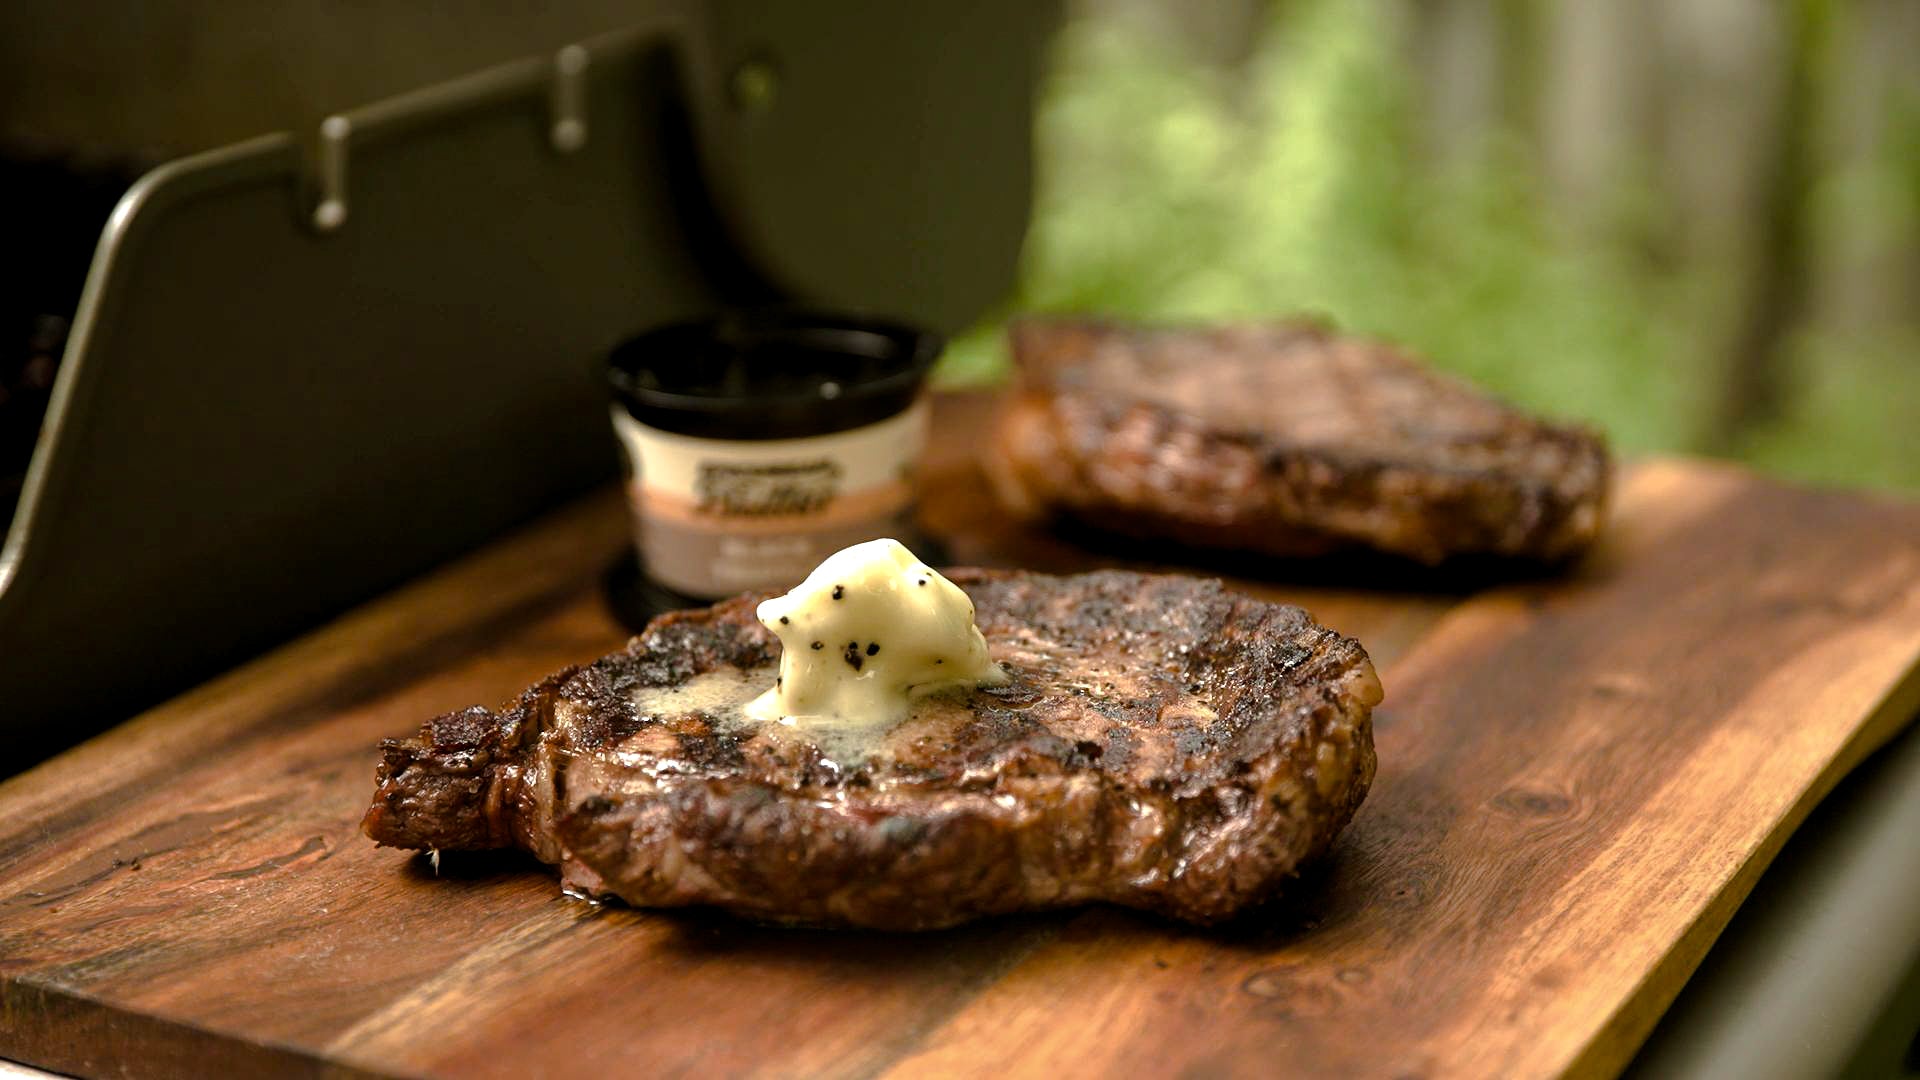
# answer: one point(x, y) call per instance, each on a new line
point(1164, 744)
point(1287, 440)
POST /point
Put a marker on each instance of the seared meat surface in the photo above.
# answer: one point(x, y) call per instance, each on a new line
point(1284, 439)
point(1164, 744)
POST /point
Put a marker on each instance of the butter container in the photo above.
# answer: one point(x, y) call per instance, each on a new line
point(760, 442)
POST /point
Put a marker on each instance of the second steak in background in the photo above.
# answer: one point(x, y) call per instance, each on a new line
point(1285, 439)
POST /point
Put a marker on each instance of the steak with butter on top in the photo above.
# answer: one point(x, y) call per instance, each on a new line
point(1284, 439)
point(1160, 743)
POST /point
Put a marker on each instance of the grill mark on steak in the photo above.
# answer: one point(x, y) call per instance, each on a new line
point(1162, 744)
point(1287, 440)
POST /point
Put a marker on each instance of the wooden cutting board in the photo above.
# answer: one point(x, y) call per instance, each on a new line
point(1579, 781)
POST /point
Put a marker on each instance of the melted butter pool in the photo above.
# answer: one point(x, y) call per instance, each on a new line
point(720, 697)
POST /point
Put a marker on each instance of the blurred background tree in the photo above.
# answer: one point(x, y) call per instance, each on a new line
point(1693, 223)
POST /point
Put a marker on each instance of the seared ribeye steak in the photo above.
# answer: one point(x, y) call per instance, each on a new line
point(1284, 439)
point(1163, 744)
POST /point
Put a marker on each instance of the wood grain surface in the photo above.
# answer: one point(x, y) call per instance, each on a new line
point(1580, 778)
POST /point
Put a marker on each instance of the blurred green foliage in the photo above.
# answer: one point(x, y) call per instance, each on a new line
point(1174, 190)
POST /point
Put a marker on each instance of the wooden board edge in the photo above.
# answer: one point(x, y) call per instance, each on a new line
point(1614, 1045)
point(72, 1034)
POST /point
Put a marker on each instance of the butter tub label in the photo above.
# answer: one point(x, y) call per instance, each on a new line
point(713, 517)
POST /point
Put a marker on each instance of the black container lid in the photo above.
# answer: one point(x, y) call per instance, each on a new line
point(779, 373)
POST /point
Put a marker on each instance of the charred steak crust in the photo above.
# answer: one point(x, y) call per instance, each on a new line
point(1284, 439)
point(1164, 744)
